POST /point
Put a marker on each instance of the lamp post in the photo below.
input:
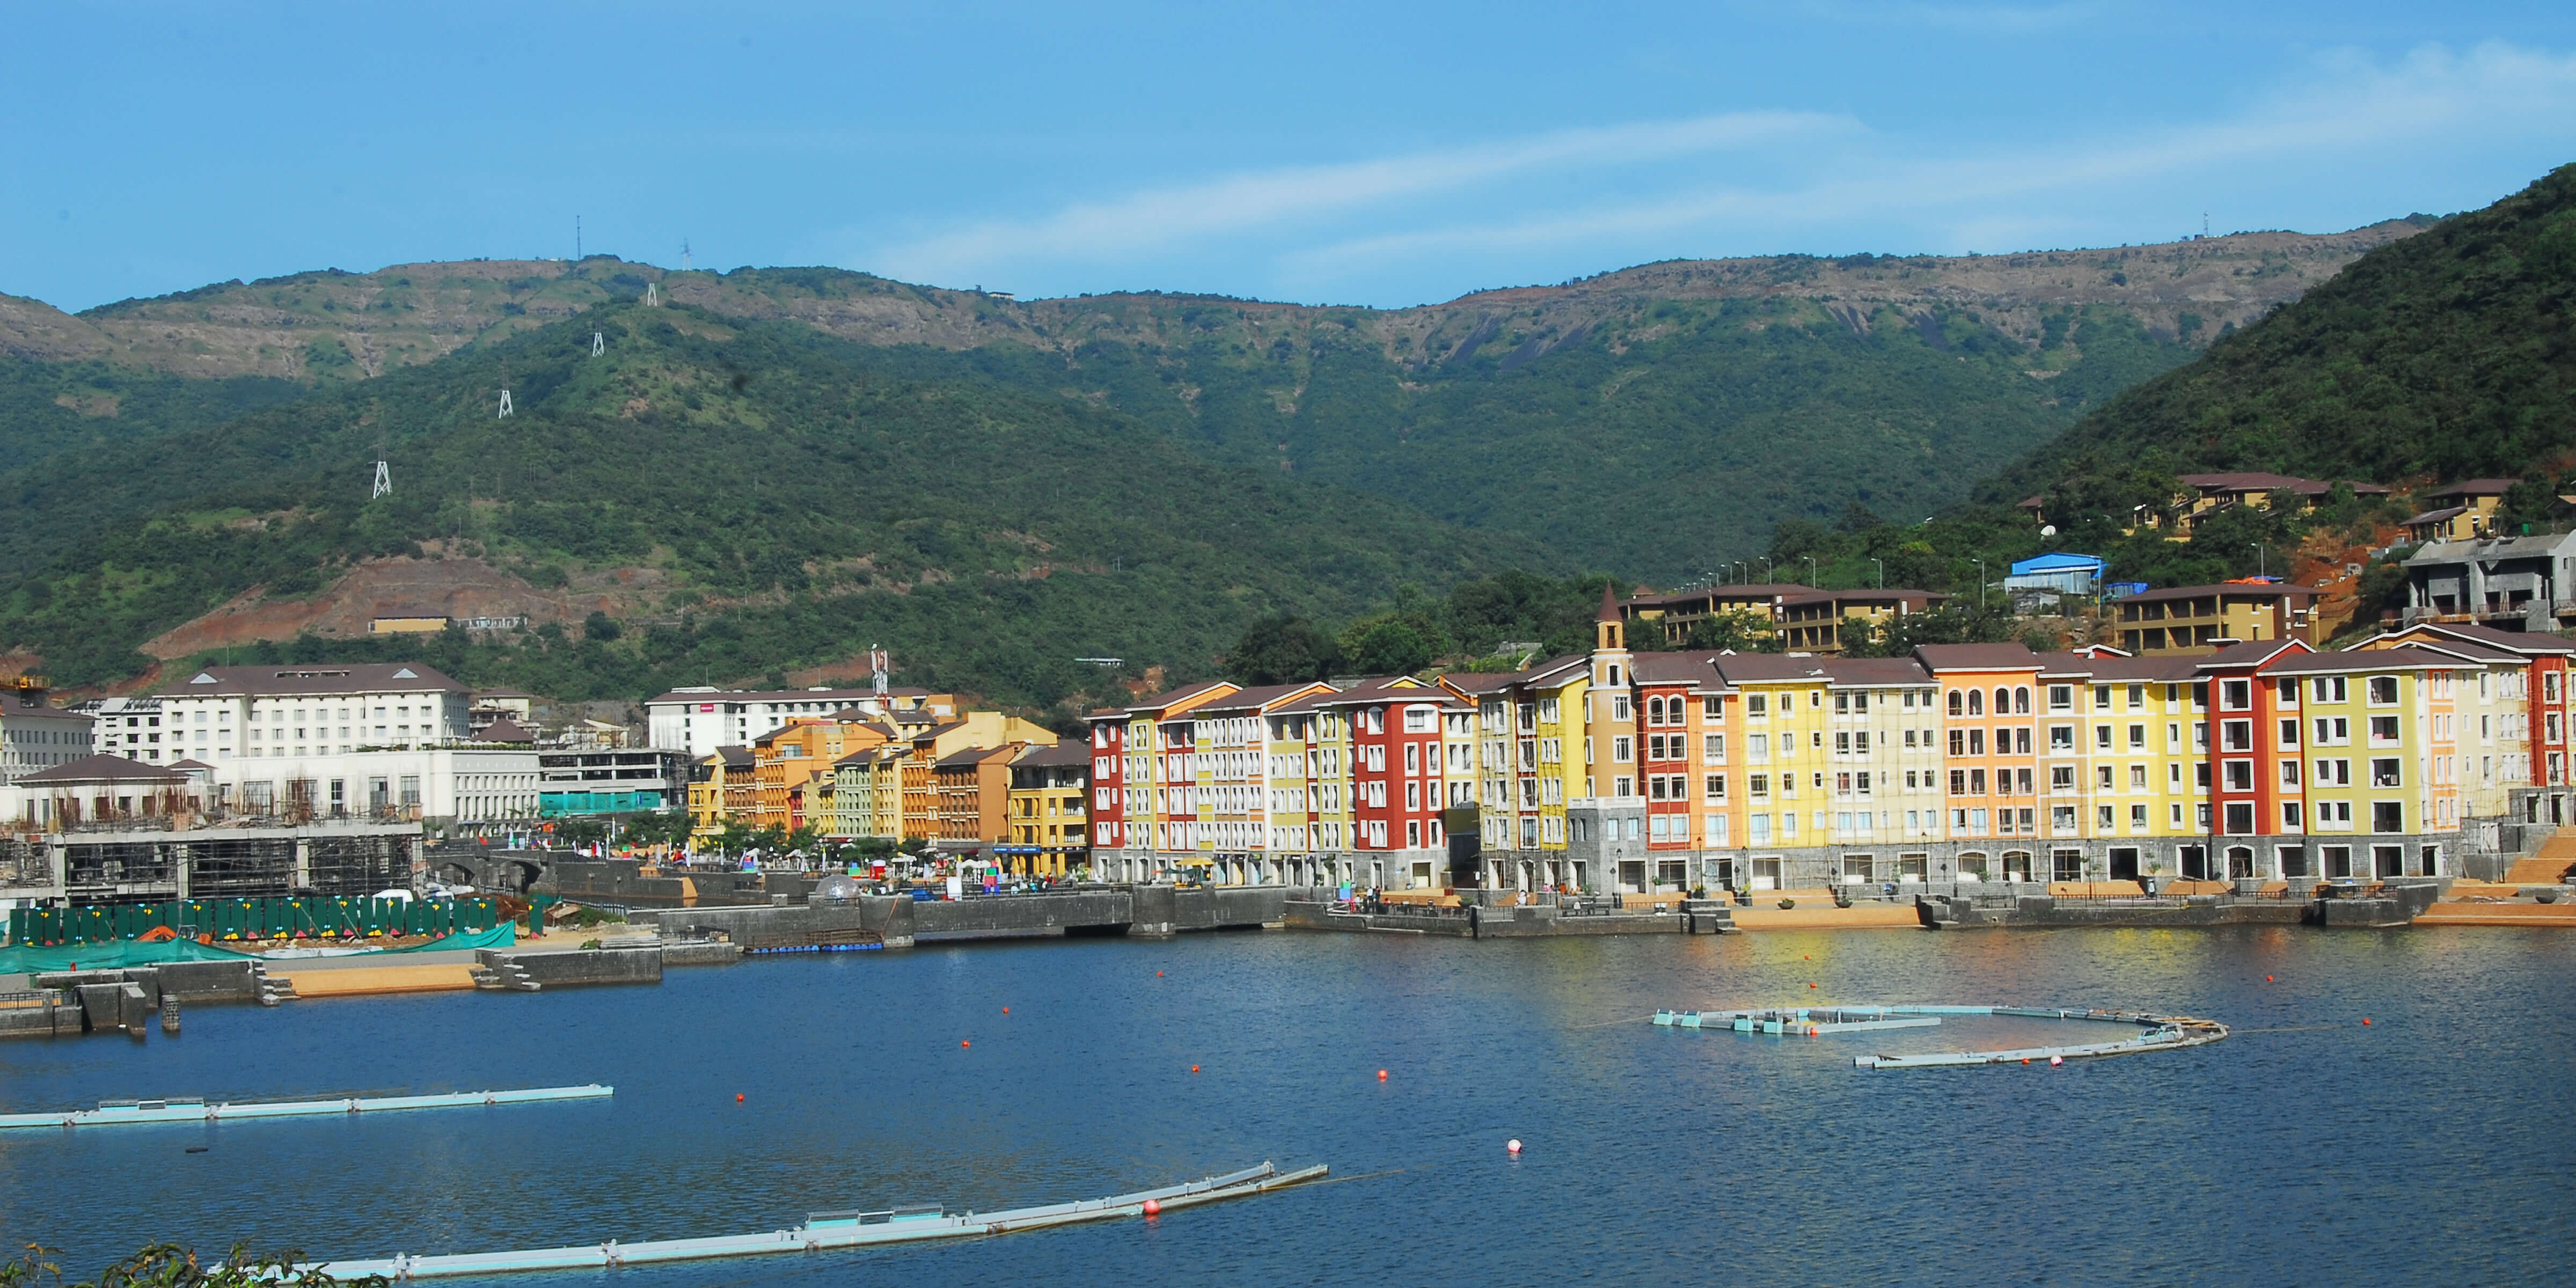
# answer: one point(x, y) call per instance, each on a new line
point(2262, 561)
point(1766, 568)
point(1881, 565)
point(1981, 585)
point(1812, 576)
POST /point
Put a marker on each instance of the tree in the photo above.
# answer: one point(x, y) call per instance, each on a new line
point(1738, 630)
point(1390, 644)
point(600, 626)
point(1282, 649)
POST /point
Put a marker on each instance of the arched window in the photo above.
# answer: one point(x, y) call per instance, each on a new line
point(1654, 711)
point(1976, 702)
point(2021, 701)
point(2003, 699)
point(1955, 706)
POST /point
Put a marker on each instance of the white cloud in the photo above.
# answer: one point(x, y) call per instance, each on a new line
point(1157, 218)
point(1749, 182)
point(2348, 104)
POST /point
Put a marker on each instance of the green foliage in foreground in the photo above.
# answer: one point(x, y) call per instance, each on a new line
point(169, 1265)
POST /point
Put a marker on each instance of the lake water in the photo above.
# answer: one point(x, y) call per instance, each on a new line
point(2431, 1146)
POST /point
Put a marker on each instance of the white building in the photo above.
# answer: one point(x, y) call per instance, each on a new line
point(223, 713)
point(35, 737)
point(465, 783)
point(700, 719)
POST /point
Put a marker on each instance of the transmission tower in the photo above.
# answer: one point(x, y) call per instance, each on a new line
point(598, 344)
point(652, 296)
point(384, 474)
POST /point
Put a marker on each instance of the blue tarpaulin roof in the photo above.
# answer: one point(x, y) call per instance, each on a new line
point(2058, 563)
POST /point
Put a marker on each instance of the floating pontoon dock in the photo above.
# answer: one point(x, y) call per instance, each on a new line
point(2163, 1032)
point(113, 1113)
point(826, 1230)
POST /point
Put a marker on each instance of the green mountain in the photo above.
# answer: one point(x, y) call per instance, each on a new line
point(707, 498)
point(2448, 355)
point(1603, 418)
point(784, 466)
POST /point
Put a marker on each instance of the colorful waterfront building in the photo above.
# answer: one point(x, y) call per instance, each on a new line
point(1049, 819)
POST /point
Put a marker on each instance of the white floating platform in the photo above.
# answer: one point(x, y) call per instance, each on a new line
point(116, 1113)
point(2163, 1032)
point(829, 1230)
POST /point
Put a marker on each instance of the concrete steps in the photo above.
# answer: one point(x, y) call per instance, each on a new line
point(508, 977)
point(2550, 865)
point(274, 989)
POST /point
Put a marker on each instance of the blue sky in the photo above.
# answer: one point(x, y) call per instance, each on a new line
point(1374, 154)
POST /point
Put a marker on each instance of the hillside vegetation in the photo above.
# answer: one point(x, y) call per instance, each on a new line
point(755, 497)
point(2448, 355)
point(1602, 418)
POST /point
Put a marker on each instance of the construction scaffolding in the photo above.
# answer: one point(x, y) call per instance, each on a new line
point(151, 864)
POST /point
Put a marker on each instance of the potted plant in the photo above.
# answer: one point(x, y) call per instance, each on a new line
point(2155, 874)
point(1788, 903)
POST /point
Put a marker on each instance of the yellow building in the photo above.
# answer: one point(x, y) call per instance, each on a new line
point(2204, 619)
point(1671, 615)
point(2461, 512)
point(1049, 820)
point(1230, 770)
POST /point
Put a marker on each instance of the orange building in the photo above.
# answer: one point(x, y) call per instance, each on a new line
point(1992, 730)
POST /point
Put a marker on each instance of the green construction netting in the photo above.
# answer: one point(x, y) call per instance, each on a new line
point(128, 952)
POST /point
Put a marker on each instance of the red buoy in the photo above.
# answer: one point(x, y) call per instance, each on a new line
point(963, 1043)
point(1153, 1207)
point(1194, 1068)
point(1381, 1075)
point(737, 1097)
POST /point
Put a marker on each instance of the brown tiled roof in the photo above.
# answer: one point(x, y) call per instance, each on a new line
point(2163, 668)
point(2477, 487)
point(2377, 659)
point(1876, 671)
point(104, 769)
point(308, 681)
point(505, 731)
point(774, 695)
point(1673, 668)
point(2241, 589)
point(2248, 653)
point(1977, 657)
point(2526, 643)
point(1173, 697)
point(1891, 594)
point(1255, 698)
point(1740, 590)
point(2436, 516)
point(2258, 481)
point(737, 757)
point(1063, 753)
point(1750, 668)
point(972, 756)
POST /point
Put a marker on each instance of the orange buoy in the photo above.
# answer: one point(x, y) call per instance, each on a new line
point(1811, 986)
point(2365, 1020)
point(1153, 1207)
point(1194, 1068)
point(2025, 1059)
point(1812, 1030)
point(2267, 979)
point(962, 1043)
point(1006, 1010)
point(737, 1097)
point(1381, 1075)
point(1158, 975)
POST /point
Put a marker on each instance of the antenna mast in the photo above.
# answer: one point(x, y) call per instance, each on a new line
point(576, 239)
point(684, 254)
